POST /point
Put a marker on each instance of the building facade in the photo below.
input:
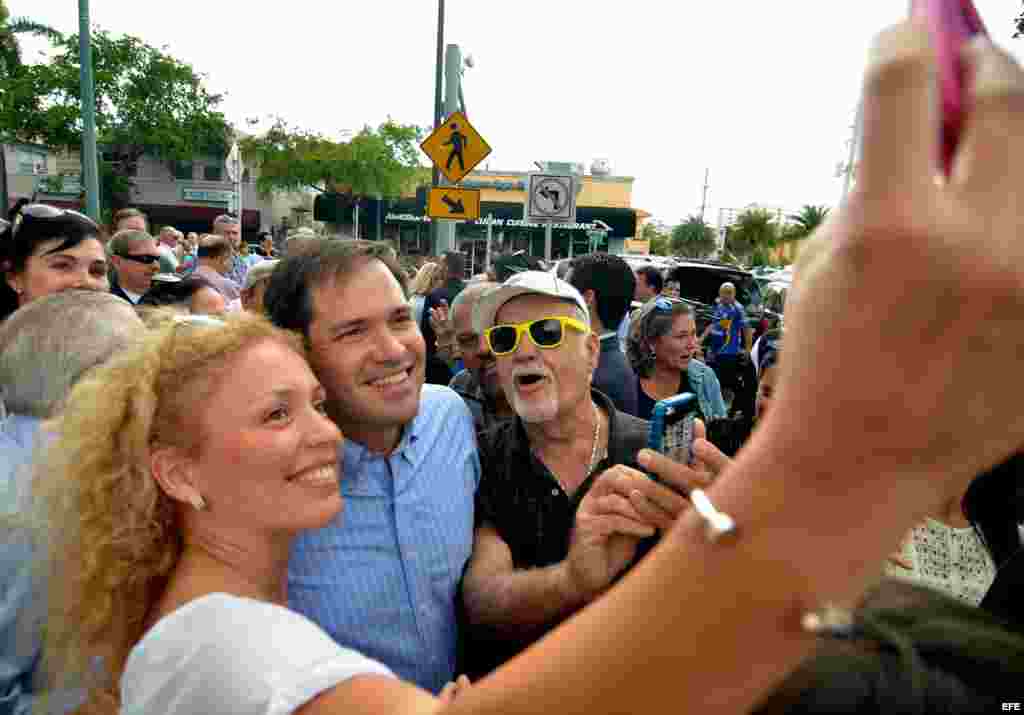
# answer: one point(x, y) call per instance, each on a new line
point(605, 219)
point(186, 195)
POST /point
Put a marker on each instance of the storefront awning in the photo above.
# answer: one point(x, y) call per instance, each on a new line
point(621, 221)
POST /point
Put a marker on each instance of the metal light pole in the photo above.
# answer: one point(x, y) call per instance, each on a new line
point(439, 68)
point(854, 149)
point(90, 170)
point(5, 201)
point(453, 82)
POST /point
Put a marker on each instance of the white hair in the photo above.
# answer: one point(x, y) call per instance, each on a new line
point(47, 345)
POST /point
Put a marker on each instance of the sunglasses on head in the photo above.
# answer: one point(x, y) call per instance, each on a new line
point(144, 258)
point(663, 305)
point(35, 213)
point(545, 333)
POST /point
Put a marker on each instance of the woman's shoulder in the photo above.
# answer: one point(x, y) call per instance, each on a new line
point(696, 367)
point(220, 651)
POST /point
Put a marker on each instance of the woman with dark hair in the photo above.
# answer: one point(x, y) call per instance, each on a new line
point(46, 250)
point(194, 294)
point(907, 650)
point(661, 349)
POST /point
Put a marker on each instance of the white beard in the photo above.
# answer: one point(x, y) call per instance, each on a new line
point(536, 411)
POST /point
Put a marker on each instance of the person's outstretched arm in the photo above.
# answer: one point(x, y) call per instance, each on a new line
point(873, 425)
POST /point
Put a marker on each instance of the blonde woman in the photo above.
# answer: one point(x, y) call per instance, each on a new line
point(429, 278)
point(182, 470)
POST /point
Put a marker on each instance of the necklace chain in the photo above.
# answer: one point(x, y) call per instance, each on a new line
point(597, 439)
point(594, 457)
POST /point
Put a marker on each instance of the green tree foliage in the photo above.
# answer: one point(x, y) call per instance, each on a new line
point(659, 242)
point(804, 223)
point(693, 238)
point(374, 162)
point(753, 236)
point(147, 102)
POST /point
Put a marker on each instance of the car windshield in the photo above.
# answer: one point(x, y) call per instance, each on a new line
point(701, 284)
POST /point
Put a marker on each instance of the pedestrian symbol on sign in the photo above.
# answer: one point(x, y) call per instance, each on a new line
point(457, 141)
point(455, 147)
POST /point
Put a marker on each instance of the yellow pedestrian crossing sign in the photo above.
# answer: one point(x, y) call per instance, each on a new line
point(455, 147)
point(454, 203)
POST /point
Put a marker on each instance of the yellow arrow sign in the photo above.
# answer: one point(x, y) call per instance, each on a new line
point(454, 203)
point(455, 147)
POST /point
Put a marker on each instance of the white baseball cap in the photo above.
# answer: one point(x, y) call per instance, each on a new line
point(526, 283)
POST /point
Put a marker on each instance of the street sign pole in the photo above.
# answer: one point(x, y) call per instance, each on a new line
point(547, 241)
point(452, 81)
point(238, 191)
point(438, 116)
point(490, 234)
point(90, 169)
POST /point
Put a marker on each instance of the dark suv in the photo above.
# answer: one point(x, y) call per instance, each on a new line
point(698, 282)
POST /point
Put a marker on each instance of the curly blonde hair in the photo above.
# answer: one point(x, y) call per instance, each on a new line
point(114, 536)
point(429, 277)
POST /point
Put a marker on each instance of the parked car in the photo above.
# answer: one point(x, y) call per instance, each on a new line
point(697, 283)
point(774, 295)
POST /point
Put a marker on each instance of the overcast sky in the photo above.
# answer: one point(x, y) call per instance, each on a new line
point(760, 93)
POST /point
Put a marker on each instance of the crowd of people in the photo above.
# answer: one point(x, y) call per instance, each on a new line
point(295, 484)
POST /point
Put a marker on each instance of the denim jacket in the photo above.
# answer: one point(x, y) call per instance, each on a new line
point(709, 393)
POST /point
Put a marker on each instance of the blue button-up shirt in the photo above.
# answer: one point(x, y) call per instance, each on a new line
point(382, 577)
point(22, 591)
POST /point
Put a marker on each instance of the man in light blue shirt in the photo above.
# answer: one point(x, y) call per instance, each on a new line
point(45, 347)
point(383, 577)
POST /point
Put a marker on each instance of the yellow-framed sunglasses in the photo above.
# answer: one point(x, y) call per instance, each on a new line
point(546, 333)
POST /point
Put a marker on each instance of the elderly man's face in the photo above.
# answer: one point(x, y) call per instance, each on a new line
point(132, 223)
point(475, 355)
point(544, 384)
point(727, 295)
point(230, 231)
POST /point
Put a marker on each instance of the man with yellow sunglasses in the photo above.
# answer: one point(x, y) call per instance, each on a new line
point(555, 524)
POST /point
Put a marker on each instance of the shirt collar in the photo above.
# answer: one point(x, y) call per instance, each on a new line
point(410, 447)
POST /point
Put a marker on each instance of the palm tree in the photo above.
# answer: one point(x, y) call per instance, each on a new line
point(693, 238)
point(805, 222)
point(10, 51)
point(753, 235)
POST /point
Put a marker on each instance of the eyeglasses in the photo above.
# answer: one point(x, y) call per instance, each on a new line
point(545, 333)
point(146, 258)
point(31, 213)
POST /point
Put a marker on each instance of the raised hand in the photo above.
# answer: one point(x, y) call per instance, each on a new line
point(914, 379)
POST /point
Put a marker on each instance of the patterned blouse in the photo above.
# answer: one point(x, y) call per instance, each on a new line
point(947, 559)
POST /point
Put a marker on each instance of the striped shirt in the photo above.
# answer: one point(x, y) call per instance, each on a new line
point(382, 577)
